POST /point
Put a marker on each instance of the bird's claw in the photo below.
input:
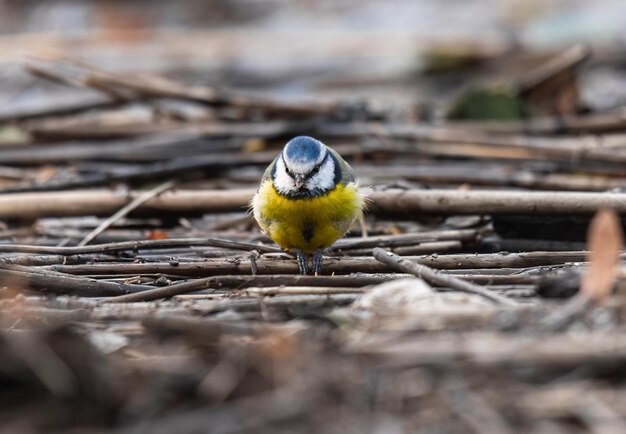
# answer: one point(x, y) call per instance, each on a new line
point(317, 262)
point(303, 260)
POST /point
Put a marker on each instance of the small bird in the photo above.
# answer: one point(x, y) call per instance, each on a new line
point(308, 198)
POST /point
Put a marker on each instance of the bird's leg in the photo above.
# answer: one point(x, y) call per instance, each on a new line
point(303, 260)
point(317, 262)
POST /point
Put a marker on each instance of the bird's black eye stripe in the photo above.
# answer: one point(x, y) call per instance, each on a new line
point(311, 173)
point(338, 174)
point(321, 163)
point(286, 168)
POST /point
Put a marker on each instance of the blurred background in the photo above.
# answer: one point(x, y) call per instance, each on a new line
point(399, 53)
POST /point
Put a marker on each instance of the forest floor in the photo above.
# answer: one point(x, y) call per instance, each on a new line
point(485, 291)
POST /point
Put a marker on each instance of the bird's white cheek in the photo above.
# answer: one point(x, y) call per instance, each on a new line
point(324, 179)
point(283, 182)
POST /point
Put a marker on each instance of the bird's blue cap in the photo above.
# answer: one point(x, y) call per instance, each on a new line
point(303, 149)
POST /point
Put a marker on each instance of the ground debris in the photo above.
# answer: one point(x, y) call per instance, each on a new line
point(137, 293)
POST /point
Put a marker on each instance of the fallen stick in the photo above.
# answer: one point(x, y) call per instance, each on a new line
point(238, 282)
point(427, 248)
point(405, 239)
point(54, 282)
point(394, 202)
point(342, 265)
point(138, 311)
point(42, 260)
point(414, 241)
point(475, 131)
point(135, 86)
point(292, 280)
point(62, 106)
point(386, 203)
point(203, 328)
point(435, 277)
point(144, 85)
point(105, 202)
point(592, 350)
point(166, 147)
point(124, 211)
point(494, 176)
point(299, 290)
point(136, 246)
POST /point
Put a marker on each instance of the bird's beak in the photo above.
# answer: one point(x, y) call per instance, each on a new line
point(299, 180)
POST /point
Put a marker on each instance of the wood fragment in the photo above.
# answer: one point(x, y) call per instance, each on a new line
point(138, 201)
point(392, 202)
point(405, 239)
point(484, 349)
point(217, 282)
point(467, 139)
point(340, 265)
point(428, 248)
point(135, 246)
point(53, 282)
point(435, 277)
point(137, 86)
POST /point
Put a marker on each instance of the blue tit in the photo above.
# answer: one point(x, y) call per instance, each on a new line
point(308, 198)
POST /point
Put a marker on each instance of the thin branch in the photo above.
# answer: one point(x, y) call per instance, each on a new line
point(123, 212)
point(390, 202)
point(50, 281)
point(437, 278)
point(216, 282)
point(136, 246)
point(341, 265)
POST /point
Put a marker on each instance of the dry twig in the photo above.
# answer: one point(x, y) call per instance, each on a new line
point(437, 278)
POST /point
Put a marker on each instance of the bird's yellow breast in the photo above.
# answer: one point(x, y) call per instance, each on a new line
point(307, 224)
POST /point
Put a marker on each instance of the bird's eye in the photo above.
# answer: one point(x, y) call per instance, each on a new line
point(316, 169)
point(288, 172)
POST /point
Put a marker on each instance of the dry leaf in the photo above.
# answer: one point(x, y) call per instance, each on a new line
point(605, 240)
point(553, 87)
point(157, 235)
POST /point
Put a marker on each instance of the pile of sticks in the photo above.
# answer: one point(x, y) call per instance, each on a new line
point(137, 288)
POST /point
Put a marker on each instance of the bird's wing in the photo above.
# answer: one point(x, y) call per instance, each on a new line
point(347, 175)
point(267, 175)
